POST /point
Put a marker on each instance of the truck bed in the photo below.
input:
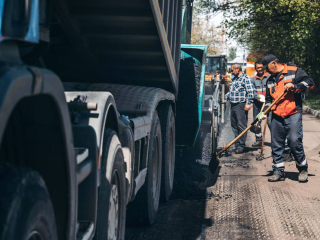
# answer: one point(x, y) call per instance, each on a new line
point(134, 42)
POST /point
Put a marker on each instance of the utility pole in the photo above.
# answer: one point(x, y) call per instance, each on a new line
point(243, 59)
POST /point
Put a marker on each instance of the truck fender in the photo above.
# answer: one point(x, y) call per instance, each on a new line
point(22, 87)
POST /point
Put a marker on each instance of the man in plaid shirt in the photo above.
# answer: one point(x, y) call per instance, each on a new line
point(241, 93)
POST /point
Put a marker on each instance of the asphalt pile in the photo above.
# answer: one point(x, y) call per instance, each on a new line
point(187, 120)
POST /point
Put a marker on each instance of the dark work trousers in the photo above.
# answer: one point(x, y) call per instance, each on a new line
point(256, 110)
point(239, 122)
point(290, 128)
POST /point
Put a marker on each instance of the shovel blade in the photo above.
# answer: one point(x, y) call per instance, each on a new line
point(260, 157)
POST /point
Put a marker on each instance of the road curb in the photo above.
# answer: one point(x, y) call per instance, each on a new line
point(311, 111)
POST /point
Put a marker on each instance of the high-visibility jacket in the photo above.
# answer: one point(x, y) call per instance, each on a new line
point(292, 101)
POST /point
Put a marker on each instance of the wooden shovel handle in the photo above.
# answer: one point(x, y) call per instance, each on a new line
point(247, 129)
point(236, 139)
point(274, 102)
point(264, 135)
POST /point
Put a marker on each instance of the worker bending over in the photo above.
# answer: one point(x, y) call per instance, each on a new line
point(286, 119)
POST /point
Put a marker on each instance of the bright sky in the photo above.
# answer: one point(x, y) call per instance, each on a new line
point(216, 20)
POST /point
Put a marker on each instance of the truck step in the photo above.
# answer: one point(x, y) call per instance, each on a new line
point(139, 181)
point(81, 154)
point(85, 230)
point(83, 163)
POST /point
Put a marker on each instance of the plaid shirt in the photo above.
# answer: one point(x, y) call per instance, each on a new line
point(241, 89)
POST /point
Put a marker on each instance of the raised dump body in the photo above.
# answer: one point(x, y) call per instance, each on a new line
point(134, 42)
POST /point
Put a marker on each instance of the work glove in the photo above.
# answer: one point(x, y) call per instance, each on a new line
point(261, 98)
point(261, 116)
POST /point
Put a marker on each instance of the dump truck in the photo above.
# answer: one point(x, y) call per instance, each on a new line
point(88, 107)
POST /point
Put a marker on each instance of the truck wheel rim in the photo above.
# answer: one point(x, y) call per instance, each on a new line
point(113, 219)
point(35, 235)
point(155, 173)
point(171, 158)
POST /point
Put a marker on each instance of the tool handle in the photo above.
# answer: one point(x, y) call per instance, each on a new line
point(269, 108)
point(236, 139)
point(266, 121)
point(254, 122)
point(264, 135)
point(263, 106)
point(275, 102)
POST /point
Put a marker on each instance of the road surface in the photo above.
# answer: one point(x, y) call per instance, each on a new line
point(238, 202)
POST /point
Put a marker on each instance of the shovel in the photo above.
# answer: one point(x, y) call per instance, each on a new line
point(215, 157)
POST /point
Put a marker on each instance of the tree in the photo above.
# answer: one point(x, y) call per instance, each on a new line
point(205, 33)
point(289, 29)
point(232, 53)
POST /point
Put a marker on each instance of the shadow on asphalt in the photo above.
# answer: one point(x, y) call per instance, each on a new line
point(183, 216)
point(294, 175)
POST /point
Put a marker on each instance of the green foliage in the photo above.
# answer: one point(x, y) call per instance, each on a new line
point(289, 29)
point(255, 56)
point(313, 101)
point(232, 53)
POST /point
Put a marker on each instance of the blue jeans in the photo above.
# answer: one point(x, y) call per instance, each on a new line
point(239, 122)
point(289, 128)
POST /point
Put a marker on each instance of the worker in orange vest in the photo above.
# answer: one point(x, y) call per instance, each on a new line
point(286, 119)
point(259, 82)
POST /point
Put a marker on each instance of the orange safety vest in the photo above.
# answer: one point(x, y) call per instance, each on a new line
point(287, 104)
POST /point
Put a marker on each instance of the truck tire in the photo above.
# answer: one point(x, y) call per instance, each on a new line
point(167, 120)
point(144, 208)
point(111, 216)
point(25, 207)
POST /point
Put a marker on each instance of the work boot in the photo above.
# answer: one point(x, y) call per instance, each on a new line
point(303, 176)
point(239, 150)
point(257, 144)
point(276, 177)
